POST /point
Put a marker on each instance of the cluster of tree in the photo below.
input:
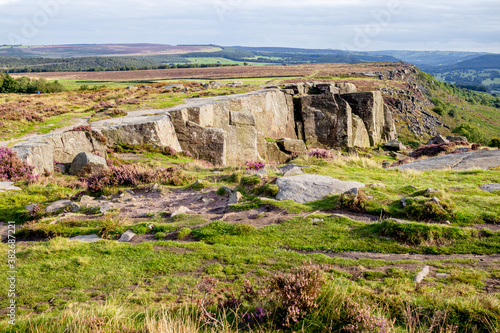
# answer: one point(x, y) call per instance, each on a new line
point(26, 85)
point(90, 64)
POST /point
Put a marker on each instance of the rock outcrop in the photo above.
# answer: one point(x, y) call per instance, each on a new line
point(155, 130)
point(271, 124)
point(483, 159)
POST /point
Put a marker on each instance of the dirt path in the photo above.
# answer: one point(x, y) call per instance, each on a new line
point(495, 258)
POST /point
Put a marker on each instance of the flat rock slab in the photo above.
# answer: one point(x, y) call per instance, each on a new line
point(127, 236)
point(86, 238)
point(60, 204)
point(483, 159)
point(8, 186)
point(307, 188)
point(490, 187)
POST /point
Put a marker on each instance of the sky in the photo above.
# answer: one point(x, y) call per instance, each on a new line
point(359, 25)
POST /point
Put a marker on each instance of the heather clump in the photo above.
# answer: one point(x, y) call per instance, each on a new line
point(434, 150)
point(294, 294)
point(133, 175)
point(320, 153)
point(255, 165)
point(12, 168)
point(361, 319)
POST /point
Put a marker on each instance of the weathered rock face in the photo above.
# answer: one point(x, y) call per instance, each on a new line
point(69, 144)
point(275, 154)
point(326, 119)
point(360, 136)
point(38, 154)
point(42, 151)
point(156, 130)
point(246, 120)
point(369, 106)
point(86, 163)
point(205, 143)
point(291, 146)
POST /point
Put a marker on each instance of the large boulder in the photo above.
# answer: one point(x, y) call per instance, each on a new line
point(346, 88)
point(155, 130)
point(86, 163)
point(40, 155)
point(437, 140)
point(8, 186)
point(292, 146)
point(307, 188)
point(275, 154)
point(326, 119)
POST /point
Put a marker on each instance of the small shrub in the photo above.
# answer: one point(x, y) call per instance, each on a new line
point(110, 227)
point(295, 293)
point(255, 165)
point(160, 235)
point(361, 319)
point(183, 233)
point(268, 190)
point(12, 168)
point(250, 180)
point(495, 142)
point(472, 133)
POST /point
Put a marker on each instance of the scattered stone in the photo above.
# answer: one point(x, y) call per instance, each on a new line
point(197, 198)
point(31, 207)
point(394, 145)
point(397, 156)
point(207, 200)
point(403, 202)
point(317, 220)
point(443, 275)
point(392, 219)
point(435, 200)
point(227, 190)
point(132, 88)
point(456, 138)
point(216, 172)
point(105, 207)
point(447, 222)
point(74, 207)
point(86, 199)
point(60, 204)
point(307, 188)
point(174, 87)
point(293, 172)
point(127, 236)
point(86, 163)
point(377, 185)
point(432, 191)
point(284, 169)
point(8, 186)
point(235, 198)
point(353, 191)
point(130, 192)
point(86, 238)
point(422, 274)
point(180, 210)
point(437, 140)
point(490, 187)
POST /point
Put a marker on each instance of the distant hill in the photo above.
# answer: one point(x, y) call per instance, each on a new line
point(489, 61)
point(429, 58)
point(89, 50)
